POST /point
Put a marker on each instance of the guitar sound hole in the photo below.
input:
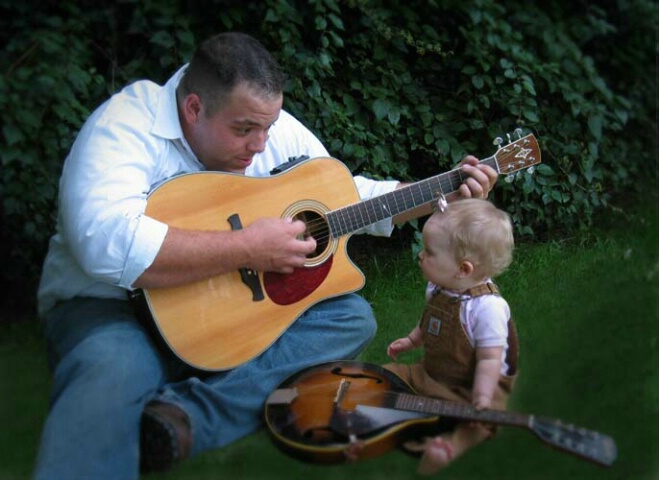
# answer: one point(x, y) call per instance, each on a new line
point(316, 228)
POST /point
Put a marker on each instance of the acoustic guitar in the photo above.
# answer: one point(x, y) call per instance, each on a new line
point(321, 412)
point(221, 322)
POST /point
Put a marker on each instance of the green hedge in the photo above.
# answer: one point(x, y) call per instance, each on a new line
point(398, 89)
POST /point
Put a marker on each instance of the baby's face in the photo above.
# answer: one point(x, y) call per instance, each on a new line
point(437, 260)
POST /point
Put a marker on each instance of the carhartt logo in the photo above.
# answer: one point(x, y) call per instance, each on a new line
point(434, 325)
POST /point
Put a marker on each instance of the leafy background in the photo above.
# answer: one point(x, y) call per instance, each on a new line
point(395, 89)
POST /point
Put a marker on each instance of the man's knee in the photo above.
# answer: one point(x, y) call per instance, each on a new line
point(364, 317)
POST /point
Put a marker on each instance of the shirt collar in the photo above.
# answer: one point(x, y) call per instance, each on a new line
point(166, 123)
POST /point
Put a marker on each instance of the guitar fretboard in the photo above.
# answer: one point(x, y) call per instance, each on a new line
point(353, 217)
point(415, 403)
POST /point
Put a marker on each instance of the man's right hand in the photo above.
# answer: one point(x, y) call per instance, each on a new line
point(277, 245)
point(267, 245)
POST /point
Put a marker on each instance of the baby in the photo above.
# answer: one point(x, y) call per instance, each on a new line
point(469, 339)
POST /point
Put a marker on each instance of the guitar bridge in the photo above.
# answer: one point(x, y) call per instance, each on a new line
point(249, 276)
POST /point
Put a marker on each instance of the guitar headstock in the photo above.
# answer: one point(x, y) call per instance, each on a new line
point(587, 444)
point(518, 154)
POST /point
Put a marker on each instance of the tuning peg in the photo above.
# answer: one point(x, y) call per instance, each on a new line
point(531, 169)
point(510, 178)
point(498, 141)
point(518, 132)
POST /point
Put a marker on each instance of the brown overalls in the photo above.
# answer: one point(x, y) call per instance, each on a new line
point(448, 367)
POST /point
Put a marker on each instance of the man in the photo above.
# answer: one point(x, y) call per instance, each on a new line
point(118, 402)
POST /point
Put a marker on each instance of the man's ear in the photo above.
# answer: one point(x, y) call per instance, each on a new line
point(465, 269)
point(192, 108)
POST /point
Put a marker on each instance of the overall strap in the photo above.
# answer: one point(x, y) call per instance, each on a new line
point(488, 288)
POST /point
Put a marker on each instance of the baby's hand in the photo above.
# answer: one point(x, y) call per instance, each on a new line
point(482, 402)
point(399, 346)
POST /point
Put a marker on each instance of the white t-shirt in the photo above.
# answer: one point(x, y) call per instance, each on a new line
point(129, 145)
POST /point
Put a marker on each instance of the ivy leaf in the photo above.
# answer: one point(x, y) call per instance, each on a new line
point(477, 81)
point(163, 38)
point(336, 21)
point(338, 41)
point(595, 125)
point(351, 105)
point(544, 169)
point(321, 23)
point(505, 63)
point(381, 108)
point(531, 115)
point(313, 90)
point(527, 82)
point(394, 115)
point(12, 134)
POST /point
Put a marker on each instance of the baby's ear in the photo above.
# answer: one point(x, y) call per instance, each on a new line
point(466, 268)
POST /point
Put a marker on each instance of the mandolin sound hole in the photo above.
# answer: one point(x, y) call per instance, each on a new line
point(320, 436)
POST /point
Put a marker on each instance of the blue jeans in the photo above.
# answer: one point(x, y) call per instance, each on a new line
point(106, 368)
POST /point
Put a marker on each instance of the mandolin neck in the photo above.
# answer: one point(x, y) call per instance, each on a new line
point(415, 403)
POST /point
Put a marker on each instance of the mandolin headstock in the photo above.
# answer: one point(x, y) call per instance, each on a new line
point(587, 444)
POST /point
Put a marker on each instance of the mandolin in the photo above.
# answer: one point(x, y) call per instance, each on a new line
point(318, 413)
point(222, 322)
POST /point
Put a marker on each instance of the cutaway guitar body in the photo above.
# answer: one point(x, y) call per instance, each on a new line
point(226, 320)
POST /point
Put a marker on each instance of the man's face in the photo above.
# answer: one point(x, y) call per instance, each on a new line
point(228, 140)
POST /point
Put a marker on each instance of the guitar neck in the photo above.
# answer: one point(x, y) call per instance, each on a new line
point(367, 212)
point(522, 153)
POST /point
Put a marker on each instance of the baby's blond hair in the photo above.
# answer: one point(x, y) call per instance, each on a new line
point(478, 231)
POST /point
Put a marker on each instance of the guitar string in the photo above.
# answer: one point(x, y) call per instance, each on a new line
point(318, 228)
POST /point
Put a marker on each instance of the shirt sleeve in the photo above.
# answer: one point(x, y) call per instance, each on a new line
point(488, 319)
point(103, 196)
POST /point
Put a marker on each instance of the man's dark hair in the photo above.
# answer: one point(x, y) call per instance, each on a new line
point(225, 60)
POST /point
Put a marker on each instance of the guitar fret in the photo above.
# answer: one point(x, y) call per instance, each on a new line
point(337, 222)
point(332, 223)
point(364, 221)
point(415, 198)
point(352, 217)
point(373, 213)
point(396, 206)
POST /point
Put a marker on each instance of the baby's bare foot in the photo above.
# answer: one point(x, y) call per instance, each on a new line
point(353, 451)
point(437, 454)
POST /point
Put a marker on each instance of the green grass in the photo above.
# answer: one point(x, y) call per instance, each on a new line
point(586, 311)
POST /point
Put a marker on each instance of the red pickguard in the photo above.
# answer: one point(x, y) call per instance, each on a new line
point(286, 289)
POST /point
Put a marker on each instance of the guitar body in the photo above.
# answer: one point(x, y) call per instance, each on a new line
point(219, 323)
point(306, 423)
